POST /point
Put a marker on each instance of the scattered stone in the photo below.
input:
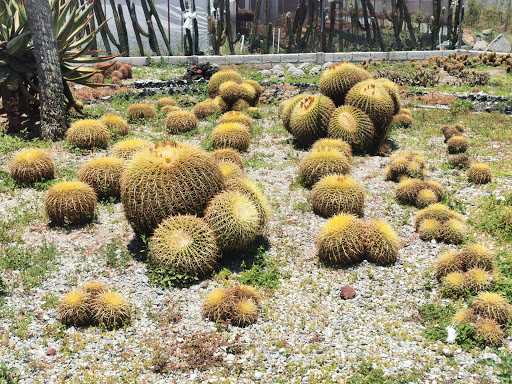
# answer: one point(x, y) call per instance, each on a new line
point(487, 32)
point(276, 68)
point(327, 65)
point(265, 73)
point(468, 38)
point(51, 352)
point(347, 292)
point(315, 70)
point(258, 375)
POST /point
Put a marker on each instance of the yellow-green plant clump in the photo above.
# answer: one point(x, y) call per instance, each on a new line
point(406, 164)
point(111, 310)
point(418, 192)
point(353, 126)
point(491, 305)
point(310, 118)
point(230, 170)
point(239, 305)
point(235, 219)
point(116, 125)
point(336, 144)
point(170, 179)
point(318, 164)
point(103, 174)
point(220, 77)
point(166, 102)
point(88, 134)
point(339, 78)
point(186, 245)
point(457, 144)
point(205, 108)
point(32, 165)
point(381, 242)
point(231, 135)
point(127, 148)
point(180, 121)
point(236, 117)
point(335, 194)
point(140, 112)
point(480, 174)
point(228, 154)
point(70, 203)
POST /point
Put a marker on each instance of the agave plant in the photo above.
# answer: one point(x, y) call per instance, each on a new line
point(18, 73)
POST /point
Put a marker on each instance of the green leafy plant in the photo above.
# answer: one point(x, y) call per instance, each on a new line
point(18, 72)
point(503, 368)
point(168, 277)
point(7, 375)
point(264, 272)
point(367, 374)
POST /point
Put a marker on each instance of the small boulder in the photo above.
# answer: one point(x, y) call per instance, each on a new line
point(51, 352)
point(347, 292)
point(499, 44)
point(468, 38)
point(480, 45)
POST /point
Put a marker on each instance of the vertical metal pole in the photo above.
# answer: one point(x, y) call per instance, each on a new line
point(273, 39)
point(169, 21)
point(192, 6)
point(278, 38)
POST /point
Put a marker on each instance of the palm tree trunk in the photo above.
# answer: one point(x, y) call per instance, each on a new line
point(53, 110)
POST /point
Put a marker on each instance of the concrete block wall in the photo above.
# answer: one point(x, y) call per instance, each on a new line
point(296, 58)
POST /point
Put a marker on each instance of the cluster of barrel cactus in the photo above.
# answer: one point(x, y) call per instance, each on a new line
point(351, 106)
point(406, 164)
point(116, 71)
point(438, 222)
point(228, 90)
point(233, 131)
point(420, 193)
point(345, 239)
point(457, 145)
point(94, 303)
point(239, 305)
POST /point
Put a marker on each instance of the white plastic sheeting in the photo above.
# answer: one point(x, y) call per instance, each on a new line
point(172, 26)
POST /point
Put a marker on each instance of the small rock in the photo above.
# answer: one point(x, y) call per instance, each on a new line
point(315, 70)
point(258, 375)
point(499, 44)
point(487, 32)
point(347, 292)
point(194, 377)
point(265, 73)
point(51, 352)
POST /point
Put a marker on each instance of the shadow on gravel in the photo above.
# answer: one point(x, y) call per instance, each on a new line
point(238, 261)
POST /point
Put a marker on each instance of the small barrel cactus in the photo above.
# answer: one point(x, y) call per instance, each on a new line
point(103, 174)
point(88, 134)
point(32, 165)
point(70, 203)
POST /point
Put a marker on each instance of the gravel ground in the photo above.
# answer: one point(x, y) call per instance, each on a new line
point(306, 333)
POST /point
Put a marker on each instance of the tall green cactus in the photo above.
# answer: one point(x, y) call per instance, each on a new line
point(436, 21)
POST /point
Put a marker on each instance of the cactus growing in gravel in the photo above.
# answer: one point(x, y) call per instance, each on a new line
point(256, 86)
point(254, 193)
point(437, 212)
point(127, 148)
point(228, 154)
point(170, 108)
point(477, 279)
point(310, 117)
point(32, 165)
point(490, 331)
point(335, 194)
point(170, 179)
point(254, 112)
point(373, 99)
point(248, 93)
point(111, 310)
point(460, 161)
point(223, 106)
point(236, 117)
point(339, 78)
point(406, 164)
point(429, 229)
point(492, 306)
point(480, 174)
point(462, 316)
point(337, 144)
point(453, 231)
point(240, 105)
point(103, 175)
point(447, 263)
point(239, 305)
point(477, 256)
point(340, 240)
point(231, 135)
point(93, 288)
point(286, 109)
point(88, 134)
point(457, 144)
point(452, 285)
point(230, 170)
point(115, 124)
point(140, 111)
point(409, 190)
point(70, 202)
point(231, 91)
point(318, 164)
point(180, 121)
point(451, 132)
point(205, 108)
point(392, 90)
point(166, 102)
point(235, 219)
point(220, 77)
point(116, 75)
point(186, 244)
point(74, 309)
point(402, 119)
point(381, 242)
